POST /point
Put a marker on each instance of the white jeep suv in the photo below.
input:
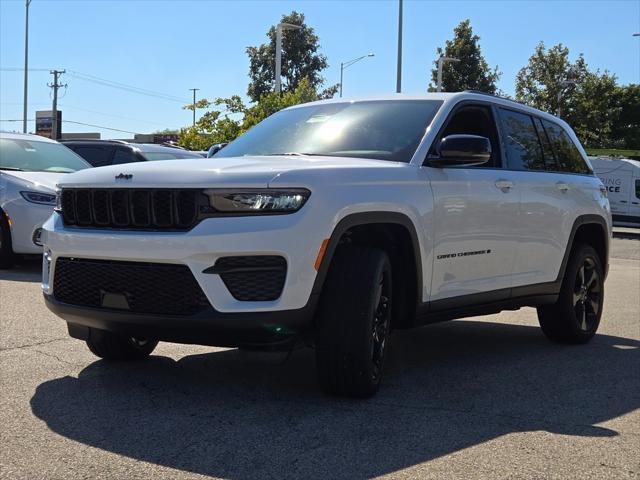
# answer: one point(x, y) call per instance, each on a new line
point(334, 222)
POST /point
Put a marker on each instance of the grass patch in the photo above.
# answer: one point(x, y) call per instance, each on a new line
point(613, 152)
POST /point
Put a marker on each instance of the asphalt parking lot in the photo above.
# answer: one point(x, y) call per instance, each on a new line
point(479, 398)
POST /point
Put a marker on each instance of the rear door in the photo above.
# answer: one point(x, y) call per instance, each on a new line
point(475, 211)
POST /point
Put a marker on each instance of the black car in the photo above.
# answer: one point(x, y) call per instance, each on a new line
point(114, 152)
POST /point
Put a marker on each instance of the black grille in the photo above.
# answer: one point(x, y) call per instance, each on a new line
point(155, 288)
point(254, 278)
point(136, 209)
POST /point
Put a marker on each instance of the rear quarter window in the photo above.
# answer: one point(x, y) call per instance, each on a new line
point(569, 158)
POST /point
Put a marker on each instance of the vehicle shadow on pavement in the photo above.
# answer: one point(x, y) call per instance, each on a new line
point(244, 415)
point(26, 270)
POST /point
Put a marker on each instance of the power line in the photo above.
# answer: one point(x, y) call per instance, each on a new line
point(77, 123)
point(108, 83)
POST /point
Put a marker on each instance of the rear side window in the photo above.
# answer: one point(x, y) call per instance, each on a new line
point(96, 156)
point(637, 188)
point(521, 141)
point(123, 155)
point(569, 158)
point(550, 161)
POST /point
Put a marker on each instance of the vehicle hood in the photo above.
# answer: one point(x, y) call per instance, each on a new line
point(40, 181)
point(238, 172)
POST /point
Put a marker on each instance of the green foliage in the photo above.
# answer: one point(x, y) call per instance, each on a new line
point(539, 83)
point(472, 72)
point(602, 113)
point(232, 117)
point(300, 60)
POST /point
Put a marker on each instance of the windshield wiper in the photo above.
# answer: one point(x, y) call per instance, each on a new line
point(15, 169)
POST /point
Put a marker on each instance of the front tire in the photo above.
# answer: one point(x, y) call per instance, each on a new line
point(575, 317)
point(7, 257)
point(353, 322)
point(110, 346)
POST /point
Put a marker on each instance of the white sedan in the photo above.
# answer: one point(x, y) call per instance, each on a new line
point(30, 167)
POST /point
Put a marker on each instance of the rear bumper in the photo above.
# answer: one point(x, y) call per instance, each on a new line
point(271, 329)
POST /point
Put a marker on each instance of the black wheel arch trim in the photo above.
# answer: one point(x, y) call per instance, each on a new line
point(370, 218)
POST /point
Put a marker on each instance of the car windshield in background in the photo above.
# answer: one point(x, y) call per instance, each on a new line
point(384, 130)
point(151, 156)
point(30, 156)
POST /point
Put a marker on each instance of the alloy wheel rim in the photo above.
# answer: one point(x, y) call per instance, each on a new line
point(380, 328)
point(587, 295)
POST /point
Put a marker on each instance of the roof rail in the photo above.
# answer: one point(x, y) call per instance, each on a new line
point(98, 140)
point(480, 92)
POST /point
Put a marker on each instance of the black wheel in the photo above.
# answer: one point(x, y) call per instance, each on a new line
point(111, 346)
point(575, 317)
point(353, 322)
point(7, 257)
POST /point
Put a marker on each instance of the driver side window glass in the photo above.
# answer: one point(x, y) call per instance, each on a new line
point(476, 120)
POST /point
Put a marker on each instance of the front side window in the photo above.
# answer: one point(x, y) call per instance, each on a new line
point(568, 155)
point(475, 120)
point(35, 156)
point(384, 130)
point(521, 141)
point(123, 155)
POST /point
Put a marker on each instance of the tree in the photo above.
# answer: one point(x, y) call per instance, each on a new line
point(626, 128)
point(232, 117)
point(472, 71)
point(300, 60)
point(540, 83)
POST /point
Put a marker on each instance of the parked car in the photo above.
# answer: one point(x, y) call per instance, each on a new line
point(621, 177)
point(334, 222)
point(115, 152)
point(30, 166)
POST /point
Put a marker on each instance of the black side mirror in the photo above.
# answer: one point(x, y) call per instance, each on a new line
point(461, 150)
point(215, 149)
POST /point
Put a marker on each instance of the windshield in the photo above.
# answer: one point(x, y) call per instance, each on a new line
point(385, 130)
point(34, 156)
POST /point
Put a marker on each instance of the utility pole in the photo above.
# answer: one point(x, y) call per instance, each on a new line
point(54, 108)
point(194, 90)
point(399, 68)
point(26, 65)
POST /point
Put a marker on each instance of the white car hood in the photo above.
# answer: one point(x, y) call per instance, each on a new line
point(37, 180)
point(237, 172)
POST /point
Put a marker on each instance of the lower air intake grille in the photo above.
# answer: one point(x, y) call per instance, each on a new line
point(254, 278)
point(155, 288)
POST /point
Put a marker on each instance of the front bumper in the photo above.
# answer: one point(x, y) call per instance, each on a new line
point(296, 238)
point(262, 329)
point(26, 218)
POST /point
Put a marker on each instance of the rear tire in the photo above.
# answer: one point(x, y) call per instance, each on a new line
point(353, 322)
point(575, 317)
point(7, 257)
point(111, 346)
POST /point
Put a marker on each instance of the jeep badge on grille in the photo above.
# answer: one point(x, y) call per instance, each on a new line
point(124, 176)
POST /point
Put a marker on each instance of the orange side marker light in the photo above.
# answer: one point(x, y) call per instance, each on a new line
point(321, 252)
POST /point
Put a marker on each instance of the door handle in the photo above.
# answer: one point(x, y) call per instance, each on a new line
point(563, 187)
point(504, 185)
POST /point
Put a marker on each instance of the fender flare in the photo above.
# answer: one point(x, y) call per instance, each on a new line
point(370, 218)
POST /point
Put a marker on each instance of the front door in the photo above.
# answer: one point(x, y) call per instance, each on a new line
point(475, 212)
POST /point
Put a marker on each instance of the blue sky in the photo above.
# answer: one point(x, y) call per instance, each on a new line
point(172, 45)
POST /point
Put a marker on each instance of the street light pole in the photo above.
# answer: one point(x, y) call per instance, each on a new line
point(441, 61)
point(563, 83)
point(26, 66)
point(194, 90)
point(281, 26)
point(344, 65)
point(399, 66)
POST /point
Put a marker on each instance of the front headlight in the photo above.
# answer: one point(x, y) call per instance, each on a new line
point(257, 201)
point(40, 198)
